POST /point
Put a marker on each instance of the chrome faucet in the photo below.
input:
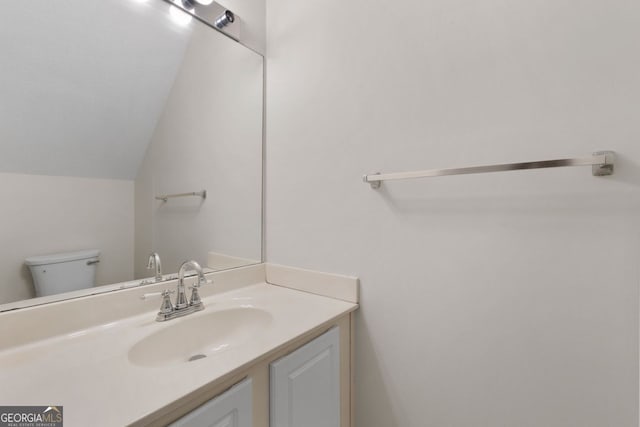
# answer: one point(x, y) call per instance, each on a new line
point(154, 262)
point(181, 299)
point(183, 306)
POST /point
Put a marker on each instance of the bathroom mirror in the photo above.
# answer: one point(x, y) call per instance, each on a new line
point(109, 108)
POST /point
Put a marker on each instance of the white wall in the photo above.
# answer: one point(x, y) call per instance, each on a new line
point(208, 137)
point(45, 214)
point(495, 300)
point(83, 83)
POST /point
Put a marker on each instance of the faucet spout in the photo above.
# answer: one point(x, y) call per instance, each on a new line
point(154, 262)
point(182, 306)
point(195, 266)
point(181, 301)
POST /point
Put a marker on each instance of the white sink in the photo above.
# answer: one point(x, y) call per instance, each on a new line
point(195, 338)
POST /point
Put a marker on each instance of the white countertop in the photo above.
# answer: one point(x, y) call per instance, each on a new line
point(89, 373)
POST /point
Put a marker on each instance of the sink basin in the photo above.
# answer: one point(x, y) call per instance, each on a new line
point(195, 338)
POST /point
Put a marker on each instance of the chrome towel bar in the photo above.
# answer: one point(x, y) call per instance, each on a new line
point(165, 197)
point(602, 163)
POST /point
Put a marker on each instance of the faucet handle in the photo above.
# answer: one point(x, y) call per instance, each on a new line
point(166, 307)
point(195, 300)
point(199, 283)
point(164, 293)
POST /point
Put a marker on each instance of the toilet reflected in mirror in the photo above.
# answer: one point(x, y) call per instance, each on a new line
point(64, 272)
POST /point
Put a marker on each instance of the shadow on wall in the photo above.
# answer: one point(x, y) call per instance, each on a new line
point(167, 208)
point(369, 376)
point(569, 204)
point(25, 274)
point(627, 171)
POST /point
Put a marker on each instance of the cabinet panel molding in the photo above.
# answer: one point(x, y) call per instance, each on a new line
point(305, 385)
point(232, 408)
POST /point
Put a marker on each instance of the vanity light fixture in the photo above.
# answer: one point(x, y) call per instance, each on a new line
point(182, 11)
point(190, 4)
point(225, 19)
point(178, 15)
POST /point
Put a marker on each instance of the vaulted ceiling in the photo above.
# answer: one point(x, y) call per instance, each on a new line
point(83, 84)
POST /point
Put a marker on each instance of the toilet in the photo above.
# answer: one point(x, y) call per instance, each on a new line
point(63, 272)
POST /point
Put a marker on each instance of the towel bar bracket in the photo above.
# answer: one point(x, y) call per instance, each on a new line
point(374, 184)
point(606, 168)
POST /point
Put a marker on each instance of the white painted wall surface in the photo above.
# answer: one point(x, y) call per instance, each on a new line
point(494, 300)
point(208, 137)
point(46, 214)
point(83, 83)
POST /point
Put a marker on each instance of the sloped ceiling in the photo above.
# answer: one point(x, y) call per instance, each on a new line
point(83, 83)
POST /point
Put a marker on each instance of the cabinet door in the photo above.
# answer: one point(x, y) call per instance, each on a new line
point(232, 408)
point(305, 385)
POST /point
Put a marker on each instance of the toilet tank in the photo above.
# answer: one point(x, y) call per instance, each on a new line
point(63, 272)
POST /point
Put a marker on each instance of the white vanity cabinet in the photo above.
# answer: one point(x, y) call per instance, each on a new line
point(232, 408)
point(305, 385)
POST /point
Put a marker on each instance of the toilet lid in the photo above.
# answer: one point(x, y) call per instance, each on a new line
point(62, 257)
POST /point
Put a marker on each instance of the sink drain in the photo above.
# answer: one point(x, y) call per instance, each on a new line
point(197, 357)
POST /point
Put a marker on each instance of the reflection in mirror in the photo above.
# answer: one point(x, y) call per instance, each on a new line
point(107, 106)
